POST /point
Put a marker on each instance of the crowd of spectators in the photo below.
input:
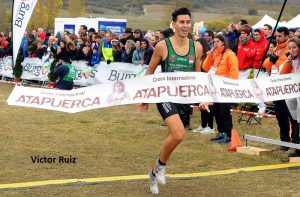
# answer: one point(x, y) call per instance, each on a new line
point(133, 46)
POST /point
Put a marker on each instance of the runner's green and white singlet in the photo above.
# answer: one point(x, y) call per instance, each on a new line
point(178, 63)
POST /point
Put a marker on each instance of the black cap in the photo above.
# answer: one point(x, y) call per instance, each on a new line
point(91, 30)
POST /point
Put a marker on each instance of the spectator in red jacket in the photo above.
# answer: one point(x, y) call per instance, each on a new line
point(245, 52)
point(3, 42)
point(260, 46)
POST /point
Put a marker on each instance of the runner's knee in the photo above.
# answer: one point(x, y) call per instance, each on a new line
point(178, 136)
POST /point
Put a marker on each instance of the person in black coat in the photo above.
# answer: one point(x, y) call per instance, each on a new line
point(116, 49)
point(148, 51)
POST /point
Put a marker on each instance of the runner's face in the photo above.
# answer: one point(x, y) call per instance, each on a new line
point(182, 25)
point(293, 49)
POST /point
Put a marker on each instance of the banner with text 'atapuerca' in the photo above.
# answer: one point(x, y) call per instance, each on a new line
point(179, 87)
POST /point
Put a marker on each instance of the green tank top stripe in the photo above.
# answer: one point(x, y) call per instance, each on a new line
point(175, 62)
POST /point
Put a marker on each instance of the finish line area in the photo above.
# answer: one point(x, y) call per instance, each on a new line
point(39, 184)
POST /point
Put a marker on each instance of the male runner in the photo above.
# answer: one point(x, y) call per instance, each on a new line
point(177, 53)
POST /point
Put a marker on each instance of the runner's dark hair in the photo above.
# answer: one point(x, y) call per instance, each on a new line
point(180, 11)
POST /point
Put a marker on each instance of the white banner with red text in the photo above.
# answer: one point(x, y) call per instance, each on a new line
point(36, 69)
point(179, 87)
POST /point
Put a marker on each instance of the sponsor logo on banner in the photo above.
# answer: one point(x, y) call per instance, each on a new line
point(33, 69)
point(22, 11)
point(6, 67)
point(37, 68)
point(23, 8)
point(117, 75)
point(46, 68)
point(7, 63)
point(86, 73)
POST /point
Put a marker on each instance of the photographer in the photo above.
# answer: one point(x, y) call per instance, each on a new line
point(66, 73)
point(275, 60)
point(233, 34)
point(279, 57)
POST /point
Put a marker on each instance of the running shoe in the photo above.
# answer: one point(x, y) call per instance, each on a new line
point(160, 173)
point(153, 184)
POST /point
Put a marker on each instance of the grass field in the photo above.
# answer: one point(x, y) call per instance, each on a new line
point(121, 141)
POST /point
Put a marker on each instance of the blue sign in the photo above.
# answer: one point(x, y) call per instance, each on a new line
point(116, 27)
point(70, 28)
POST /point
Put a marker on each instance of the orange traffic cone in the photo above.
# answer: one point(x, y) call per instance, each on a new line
point(235, 140)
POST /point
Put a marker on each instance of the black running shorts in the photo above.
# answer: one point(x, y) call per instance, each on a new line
point(168, 109)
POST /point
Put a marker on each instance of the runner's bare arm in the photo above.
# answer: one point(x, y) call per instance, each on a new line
point(199, 51)
point(156, 57)
point(154, 62)
point(202, 106)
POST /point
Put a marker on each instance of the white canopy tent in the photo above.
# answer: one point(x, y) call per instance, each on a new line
point(295, 22)
point(267, 20)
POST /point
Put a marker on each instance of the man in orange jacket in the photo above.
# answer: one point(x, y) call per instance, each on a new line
point(279, 56)
point(273, 64)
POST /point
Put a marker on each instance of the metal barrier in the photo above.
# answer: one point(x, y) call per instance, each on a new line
point(270, 141)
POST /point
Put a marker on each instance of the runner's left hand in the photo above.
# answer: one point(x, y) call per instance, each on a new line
point(204, 106)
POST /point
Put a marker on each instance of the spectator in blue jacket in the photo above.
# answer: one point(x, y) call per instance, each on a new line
point(138, 54)
point(95, 58)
